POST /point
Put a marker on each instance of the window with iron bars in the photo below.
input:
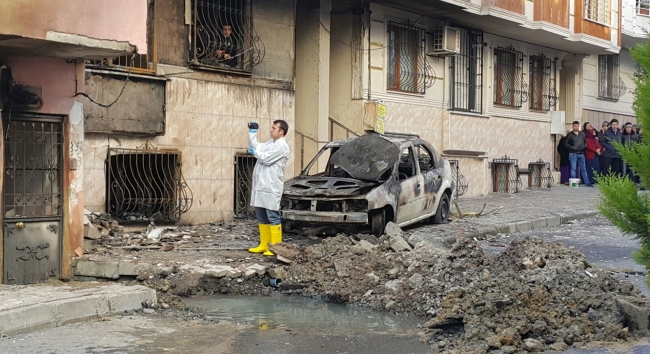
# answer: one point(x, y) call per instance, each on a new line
point(643, 7)
point(597, 10)
point(610, 84)
point(466, 73)
point(222, 35)
point(542, 78)
point(509, 86)
point(408, 70)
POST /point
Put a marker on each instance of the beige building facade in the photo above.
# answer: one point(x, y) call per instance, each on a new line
point(492, 95)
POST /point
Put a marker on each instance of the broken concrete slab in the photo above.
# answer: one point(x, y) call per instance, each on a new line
point(86, 268)
point(259, 269)
point(28, 308)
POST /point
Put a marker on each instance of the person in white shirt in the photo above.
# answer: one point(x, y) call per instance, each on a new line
point(268, 183)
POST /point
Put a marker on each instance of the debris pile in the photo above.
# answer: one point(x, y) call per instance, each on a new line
point(534, 296)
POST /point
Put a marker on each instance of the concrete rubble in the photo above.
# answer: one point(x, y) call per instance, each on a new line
point(532, 297)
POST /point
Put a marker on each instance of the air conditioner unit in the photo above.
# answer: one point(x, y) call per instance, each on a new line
point(444, 41)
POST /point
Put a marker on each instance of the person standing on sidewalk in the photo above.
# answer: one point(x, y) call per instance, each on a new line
point(592, 153)
point(565, 168)
point(268, 183)
point(601, 138)
point(612, 162)
point(576, 143)
point(629, 138)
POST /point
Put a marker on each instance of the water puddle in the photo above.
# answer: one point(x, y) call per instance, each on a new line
point(302, 314)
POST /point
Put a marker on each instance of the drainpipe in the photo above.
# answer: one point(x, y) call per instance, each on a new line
point(366, 8)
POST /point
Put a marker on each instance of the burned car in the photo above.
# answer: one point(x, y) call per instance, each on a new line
point(370, 180)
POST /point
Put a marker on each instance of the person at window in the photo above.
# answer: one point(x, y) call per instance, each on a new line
point(612, 162)
point(629, 138)
point(592, 153)
point(268, 183)
point(565, 169)
point(576, 143)
point(227, 47)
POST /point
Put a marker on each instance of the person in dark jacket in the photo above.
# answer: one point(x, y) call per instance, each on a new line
point(601, 138)
point(592, 153)
point(612, 162)
point(629, 138)
point(565, 169)
point(576, 142)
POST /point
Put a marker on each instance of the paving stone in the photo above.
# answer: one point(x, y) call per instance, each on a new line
point(260, 269)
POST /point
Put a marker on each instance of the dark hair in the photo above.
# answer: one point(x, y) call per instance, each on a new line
point(576, 122)
point(613, 121)
point(283, 125)
point(584, 126)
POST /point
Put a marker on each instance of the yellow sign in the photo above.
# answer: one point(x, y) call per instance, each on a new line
point(381, 118)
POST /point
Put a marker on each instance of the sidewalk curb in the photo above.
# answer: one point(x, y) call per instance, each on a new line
point(59, 312)
point(529, 225)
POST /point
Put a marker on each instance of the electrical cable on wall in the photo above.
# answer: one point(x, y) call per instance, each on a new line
point(126, 81)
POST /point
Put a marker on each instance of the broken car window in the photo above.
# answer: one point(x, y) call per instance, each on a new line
point(425, 158)
point(406, 164)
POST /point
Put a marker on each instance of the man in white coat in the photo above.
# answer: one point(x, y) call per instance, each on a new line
point(268, 183)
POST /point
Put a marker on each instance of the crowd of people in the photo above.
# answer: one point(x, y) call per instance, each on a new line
point(589, 152)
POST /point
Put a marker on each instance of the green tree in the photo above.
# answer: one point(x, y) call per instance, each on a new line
point(621, 202)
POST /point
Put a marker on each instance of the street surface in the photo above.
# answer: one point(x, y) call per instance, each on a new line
point(602, 243)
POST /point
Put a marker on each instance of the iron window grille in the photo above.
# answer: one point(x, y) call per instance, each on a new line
point(643, 7)
point(408, 69)
point(509, 86)
point(542, 78)
point(610, 84)
point(466, 72)
point(223, 36)
point(146, 184)
point(597, 11)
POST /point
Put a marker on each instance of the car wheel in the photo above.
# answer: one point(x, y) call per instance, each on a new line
point(442, 215)
point(378, 222)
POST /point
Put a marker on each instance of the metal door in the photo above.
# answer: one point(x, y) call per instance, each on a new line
point(32, 199)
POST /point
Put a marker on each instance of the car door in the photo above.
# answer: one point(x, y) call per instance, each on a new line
point(431, 178)
point(409, 202)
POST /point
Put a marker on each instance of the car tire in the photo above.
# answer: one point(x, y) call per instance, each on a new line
point(442, 215)
point(378, 222)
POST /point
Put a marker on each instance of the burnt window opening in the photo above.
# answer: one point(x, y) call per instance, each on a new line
point(509, 86)
point(244, 166)
point(610, 84)
point(146, 184)
point(466, 72)
point(542, 76)
point(408, 69)
point(223, 36)
point(406, 167)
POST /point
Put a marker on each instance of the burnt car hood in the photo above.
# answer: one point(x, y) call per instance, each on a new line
point(317, 186)
point(367, 157)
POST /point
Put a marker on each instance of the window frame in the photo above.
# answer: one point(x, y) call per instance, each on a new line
point(466, 73)
point(395, 33)
point(609, 77)
point(642, 7)
point(510, 66)
point(245, 33)
point(598, 11)
point(542, 81)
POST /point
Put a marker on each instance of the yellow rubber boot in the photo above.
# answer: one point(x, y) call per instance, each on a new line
point(276, 237)
point(265, 238)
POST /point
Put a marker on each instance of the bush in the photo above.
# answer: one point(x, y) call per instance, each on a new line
point(621, 201)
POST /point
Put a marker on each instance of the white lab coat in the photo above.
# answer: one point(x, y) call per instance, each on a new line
point(268, 175)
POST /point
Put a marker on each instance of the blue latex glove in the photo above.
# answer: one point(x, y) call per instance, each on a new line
point(251, 150)
point(253, 127)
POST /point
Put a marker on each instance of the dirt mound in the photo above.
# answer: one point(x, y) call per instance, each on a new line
point(534, 296)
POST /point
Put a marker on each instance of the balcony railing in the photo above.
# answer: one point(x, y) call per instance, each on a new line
point(137, 64)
